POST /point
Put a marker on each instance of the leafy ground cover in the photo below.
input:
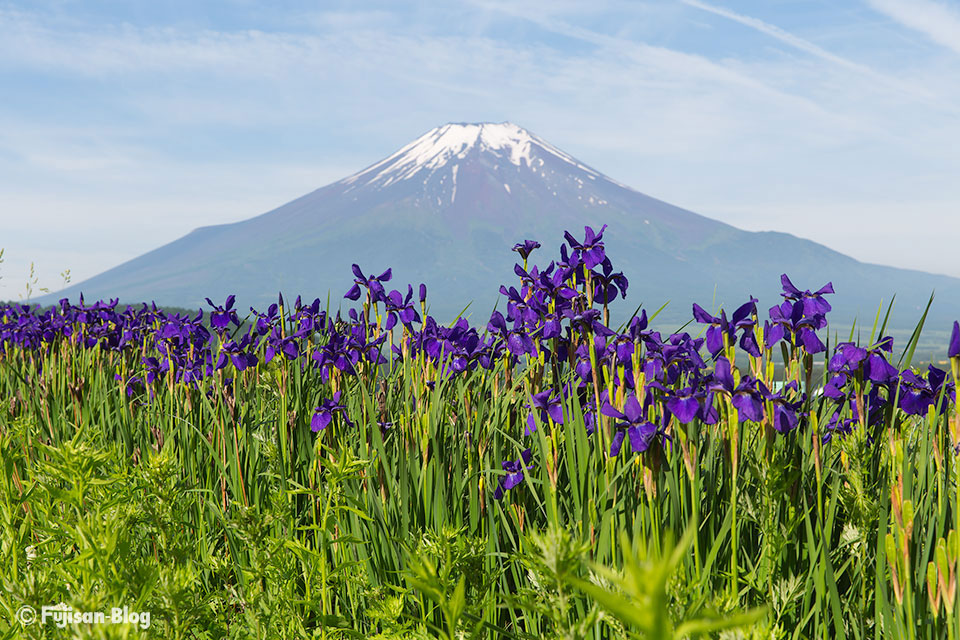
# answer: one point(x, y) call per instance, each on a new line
point(296, 473)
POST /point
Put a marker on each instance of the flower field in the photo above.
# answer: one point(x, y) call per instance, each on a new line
point(299, 472)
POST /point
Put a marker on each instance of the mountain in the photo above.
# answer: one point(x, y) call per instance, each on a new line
point(446, 210)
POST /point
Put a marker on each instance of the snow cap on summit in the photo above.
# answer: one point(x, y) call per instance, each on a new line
point(452, 141)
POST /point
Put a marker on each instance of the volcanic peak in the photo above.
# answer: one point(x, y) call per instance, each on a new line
point(454, 141)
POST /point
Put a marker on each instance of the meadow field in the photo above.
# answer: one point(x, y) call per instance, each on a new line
point(299, 472)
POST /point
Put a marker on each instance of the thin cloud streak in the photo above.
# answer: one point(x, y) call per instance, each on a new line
point(642, 53)
point(809, 47)
point(939, 22)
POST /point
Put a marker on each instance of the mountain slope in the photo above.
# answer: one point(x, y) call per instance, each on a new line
point(447, 208)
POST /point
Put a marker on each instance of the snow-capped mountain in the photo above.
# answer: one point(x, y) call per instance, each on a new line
point(446, 210)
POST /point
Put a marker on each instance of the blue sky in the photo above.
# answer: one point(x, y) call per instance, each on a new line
point(124, 125)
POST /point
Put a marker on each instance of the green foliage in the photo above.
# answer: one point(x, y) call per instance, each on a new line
point(639, 594)
point(553, 561)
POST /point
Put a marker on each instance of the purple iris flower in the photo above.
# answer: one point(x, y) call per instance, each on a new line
point(402, 308)
point(265, 321)
point(719, 327)
point(632, 425)
point(174, 329)
point(342, 352)
point(914, 397)
point(802, 328)
point(527, 279)
point(803, 313)
point(548, 407)
point(851, 359)
point(837, 426)
point(684, 405)
point(238, 354)
point(749, 403)
point(847, 356)
point(324, 414)
point(745, 397)
point(638, 325)
point(517, 339)
point(570, 264)
point(373, 284)
point(519, 307)
point(785, 418)
point(372, 350)
point(288, 346)
point(885, 344)
point(834, 389)
point(743, 319)
point(607, 284)
point(591, 250)
point(623, 346)
point(276, 343)
point(786, 414)
point(917, 395)
point(583, 366)
point(772, 334)
point(221, 317)
point(549, 326)
point(878, 370)
point(526, 248)
point(553, 283)
point(514, 475)
point(155, 368)
point(813, 303)
point(587, 321)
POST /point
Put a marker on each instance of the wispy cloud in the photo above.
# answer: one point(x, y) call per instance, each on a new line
point(640, 52)
point(939, 22)
point(809, 47)
point(110, 49)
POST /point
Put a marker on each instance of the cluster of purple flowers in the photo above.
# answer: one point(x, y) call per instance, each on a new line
point(850, 369)
point(555, 330)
